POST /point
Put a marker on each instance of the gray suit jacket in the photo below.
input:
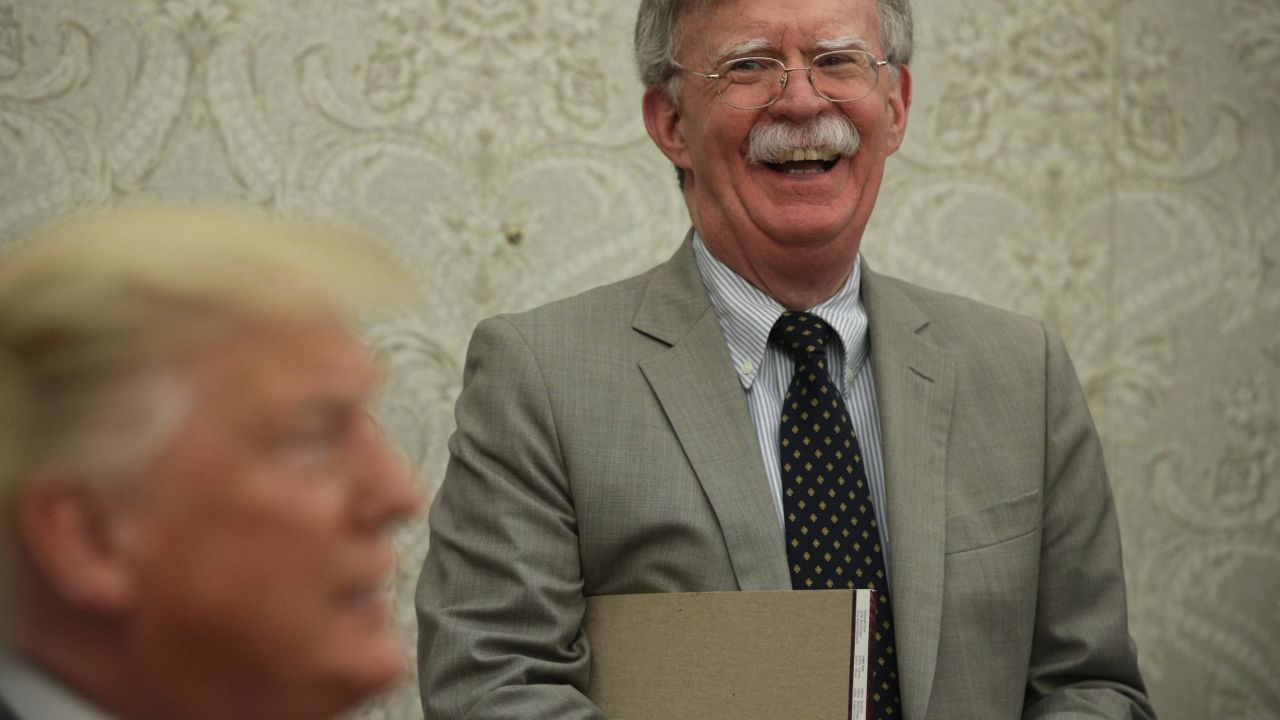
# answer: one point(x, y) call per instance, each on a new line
point(604, 446)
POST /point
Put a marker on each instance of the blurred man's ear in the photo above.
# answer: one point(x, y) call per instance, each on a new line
point(68, 534)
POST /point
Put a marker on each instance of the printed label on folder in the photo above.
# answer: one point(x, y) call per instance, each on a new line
point(860, 654)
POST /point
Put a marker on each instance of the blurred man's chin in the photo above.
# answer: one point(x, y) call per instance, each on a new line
point(372, 664)
point(353, 672)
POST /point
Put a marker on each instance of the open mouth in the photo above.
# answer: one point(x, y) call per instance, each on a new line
point(806, 161)
point(365, 598)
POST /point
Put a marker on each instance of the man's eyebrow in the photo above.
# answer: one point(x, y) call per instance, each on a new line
point(743, 47)
point(755, 45)
point(844, 42)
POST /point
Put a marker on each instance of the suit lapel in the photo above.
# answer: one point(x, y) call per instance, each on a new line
point(914, 390)
point(702, 398)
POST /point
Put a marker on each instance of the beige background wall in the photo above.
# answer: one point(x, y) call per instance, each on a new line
point(1110, 165)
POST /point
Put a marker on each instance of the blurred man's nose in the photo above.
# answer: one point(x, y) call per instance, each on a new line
point(387, 491)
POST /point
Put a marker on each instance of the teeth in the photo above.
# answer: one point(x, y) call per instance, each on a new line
point(825, 153)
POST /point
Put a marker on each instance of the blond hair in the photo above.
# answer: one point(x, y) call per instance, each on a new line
point(90, 310)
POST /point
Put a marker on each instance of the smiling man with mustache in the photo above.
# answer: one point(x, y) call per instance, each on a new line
point(765, 412)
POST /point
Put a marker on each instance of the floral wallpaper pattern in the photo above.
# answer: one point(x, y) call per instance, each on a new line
point(1111, 166)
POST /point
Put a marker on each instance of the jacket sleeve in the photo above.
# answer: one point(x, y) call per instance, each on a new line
point(500, 601)
point(1083, 661)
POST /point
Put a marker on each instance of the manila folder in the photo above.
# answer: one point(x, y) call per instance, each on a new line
point(721, 655)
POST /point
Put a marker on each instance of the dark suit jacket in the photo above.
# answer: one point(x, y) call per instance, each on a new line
point(604, 446)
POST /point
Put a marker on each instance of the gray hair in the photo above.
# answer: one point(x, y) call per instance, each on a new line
point(95, 313)
point(657, 38)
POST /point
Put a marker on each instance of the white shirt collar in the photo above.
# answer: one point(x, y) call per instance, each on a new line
point(32, 694)
point(747, 314)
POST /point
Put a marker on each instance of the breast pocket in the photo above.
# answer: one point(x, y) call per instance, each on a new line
point(977, 529)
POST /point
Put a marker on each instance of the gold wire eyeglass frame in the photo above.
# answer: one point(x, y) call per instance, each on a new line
point(873, 63)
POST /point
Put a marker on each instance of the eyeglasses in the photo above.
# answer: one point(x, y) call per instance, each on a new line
point(749, 83)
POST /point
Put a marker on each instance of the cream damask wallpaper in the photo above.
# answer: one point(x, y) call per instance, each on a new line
point(1112, 166)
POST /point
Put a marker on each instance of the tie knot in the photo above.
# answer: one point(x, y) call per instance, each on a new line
point(800, 333)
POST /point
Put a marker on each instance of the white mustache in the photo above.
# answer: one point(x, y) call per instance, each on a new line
point(775, 142)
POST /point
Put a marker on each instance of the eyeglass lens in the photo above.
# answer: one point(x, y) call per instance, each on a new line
point(839, 76)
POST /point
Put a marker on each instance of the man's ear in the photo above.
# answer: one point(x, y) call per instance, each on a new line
point(68, 531)
point(662, 120)
point(899, 103)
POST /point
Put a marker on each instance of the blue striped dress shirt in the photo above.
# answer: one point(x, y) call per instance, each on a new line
point(746, 316)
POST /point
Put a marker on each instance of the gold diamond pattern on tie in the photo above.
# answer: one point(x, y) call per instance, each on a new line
point(833, 536)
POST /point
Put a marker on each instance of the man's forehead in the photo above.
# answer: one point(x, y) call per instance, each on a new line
point(729, 28)
point(288, 362)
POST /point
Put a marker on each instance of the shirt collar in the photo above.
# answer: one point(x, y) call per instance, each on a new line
point(747, 314)
point(31, 693)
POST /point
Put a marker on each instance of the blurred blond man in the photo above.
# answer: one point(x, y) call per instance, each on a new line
point(196, 503)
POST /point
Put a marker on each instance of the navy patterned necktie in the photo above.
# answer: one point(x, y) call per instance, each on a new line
point(833, 538)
